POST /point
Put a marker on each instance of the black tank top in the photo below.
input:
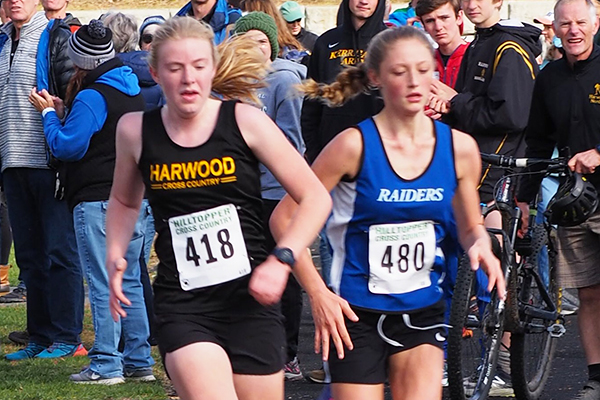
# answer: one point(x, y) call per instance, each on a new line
point(184, 180)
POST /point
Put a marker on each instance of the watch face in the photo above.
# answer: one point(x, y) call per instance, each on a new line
point(284, 255)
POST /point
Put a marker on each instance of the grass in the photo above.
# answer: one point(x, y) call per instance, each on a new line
point(49, 379)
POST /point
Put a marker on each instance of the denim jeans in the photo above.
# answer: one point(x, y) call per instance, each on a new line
point(145, 278)
point(325, 256)
point(106, 359)
point(549, 188)
point(46, 252)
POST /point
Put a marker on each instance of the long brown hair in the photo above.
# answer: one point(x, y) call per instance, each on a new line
point(74, 85)
point(285, 39)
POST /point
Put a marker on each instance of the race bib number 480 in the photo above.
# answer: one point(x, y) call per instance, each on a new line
point(209, 247)
point(401, 257)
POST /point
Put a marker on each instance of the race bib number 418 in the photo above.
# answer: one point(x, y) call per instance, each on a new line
point(209, 247)
point(401, 257)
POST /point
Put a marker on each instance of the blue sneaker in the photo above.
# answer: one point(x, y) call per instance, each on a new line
point(32, 350)
point(58, 350)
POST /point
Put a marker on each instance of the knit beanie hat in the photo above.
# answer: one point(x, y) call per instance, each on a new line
point(153, 20)
point(91, 45)
point(261, 22)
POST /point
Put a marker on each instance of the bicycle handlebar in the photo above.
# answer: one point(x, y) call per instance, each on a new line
point(514, 162)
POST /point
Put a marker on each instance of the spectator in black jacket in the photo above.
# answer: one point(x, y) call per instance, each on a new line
point(494, 85)
point(565, 111)
point(343, 45)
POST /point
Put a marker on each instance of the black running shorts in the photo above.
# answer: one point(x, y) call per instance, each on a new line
point(252, 336)
point(378, 336)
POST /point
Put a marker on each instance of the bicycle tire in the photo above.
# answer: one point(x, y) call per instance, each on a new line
point(532, 349)
point(472, 358)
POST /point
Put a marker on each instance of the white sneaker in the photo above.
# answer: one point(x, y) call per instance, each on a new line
point(501, 386)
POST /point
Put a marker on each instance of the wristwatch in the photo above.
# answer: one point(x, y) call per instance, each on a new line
point(285, 255)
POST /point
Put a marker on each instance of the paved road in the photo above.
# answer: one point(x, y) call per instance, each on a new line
point(568, 369)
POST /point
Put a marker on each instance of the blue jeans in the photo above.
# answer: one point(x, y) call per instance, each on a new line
point(549, 188)
point(106, 359)
point(46, 252)
point(326, 257)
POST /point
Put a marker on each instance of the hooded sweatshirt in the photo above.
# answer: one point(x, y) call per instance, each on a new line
point(137, 61)
point(87, 138)
point(282, 104)
point(338, 47)
point(495, 85)
point(70, 142)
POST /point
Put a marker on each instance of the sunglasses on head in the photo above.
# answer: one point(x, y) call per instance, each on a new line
point(147, 38)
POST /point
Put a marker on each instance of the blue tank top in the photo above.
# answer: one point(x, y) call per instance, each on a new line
point(390, 235)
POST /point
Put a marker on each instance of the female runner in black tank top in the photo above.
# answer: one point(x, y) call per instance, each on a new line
point(198, 159)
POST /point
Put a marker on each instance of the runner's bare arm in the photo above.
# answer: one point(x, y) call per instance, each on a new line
point(472, 234)
point(272, 148)
point(340, 158)
point(123, 207)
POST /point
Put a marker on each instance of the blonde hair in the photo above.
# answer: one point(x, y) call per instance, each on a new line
point(285, 39)
point(240, 67)
point(354, 80)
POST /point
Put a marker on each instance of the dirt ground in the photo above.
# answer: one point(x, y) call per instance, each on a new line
point(132, 4)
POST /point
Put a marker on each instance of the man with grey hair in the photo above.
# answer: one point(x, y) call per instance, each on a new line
point(42, 225)
point(574, 78)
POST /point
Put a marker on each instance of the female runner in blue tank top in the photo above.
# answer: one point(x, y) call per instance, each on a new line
point(398, 181)
point(219, 333)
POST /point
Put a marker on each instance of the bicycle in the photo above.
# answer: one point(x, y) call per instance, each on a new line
point(530, 313)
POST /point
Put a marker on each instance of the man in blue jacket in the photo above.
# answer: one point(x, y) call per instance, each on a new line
point(217, 13)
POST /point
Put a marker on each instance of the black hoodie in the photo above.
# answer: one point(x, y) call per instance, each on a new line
point(495, 85)
point(339, 46)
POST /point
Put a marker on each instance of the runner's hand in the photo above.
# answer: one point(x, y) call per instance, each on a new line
point(115, 288)
point(585, 162)
point(480, 254)
point(268, 281)
point(328, 310)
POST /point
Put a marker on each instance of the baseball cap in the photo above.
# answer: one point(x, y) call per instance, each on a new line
point(547, 19)
point(291, 11)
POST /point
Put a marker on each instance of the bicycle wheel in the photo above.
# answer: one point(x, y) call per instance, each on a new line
point(474, 339)
point(533, 345)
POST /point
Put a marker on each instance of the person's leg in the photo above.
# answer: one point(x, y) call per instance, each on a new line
point(416, 373)
point(29, 251)
point(291, 308)
point(144, 277)
point(6, 239)
point(259, 387)
point(89, 218)
point(589, 323)
point(134, 327)
point(65, 280)
point(201, 371)
point(357, 391)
